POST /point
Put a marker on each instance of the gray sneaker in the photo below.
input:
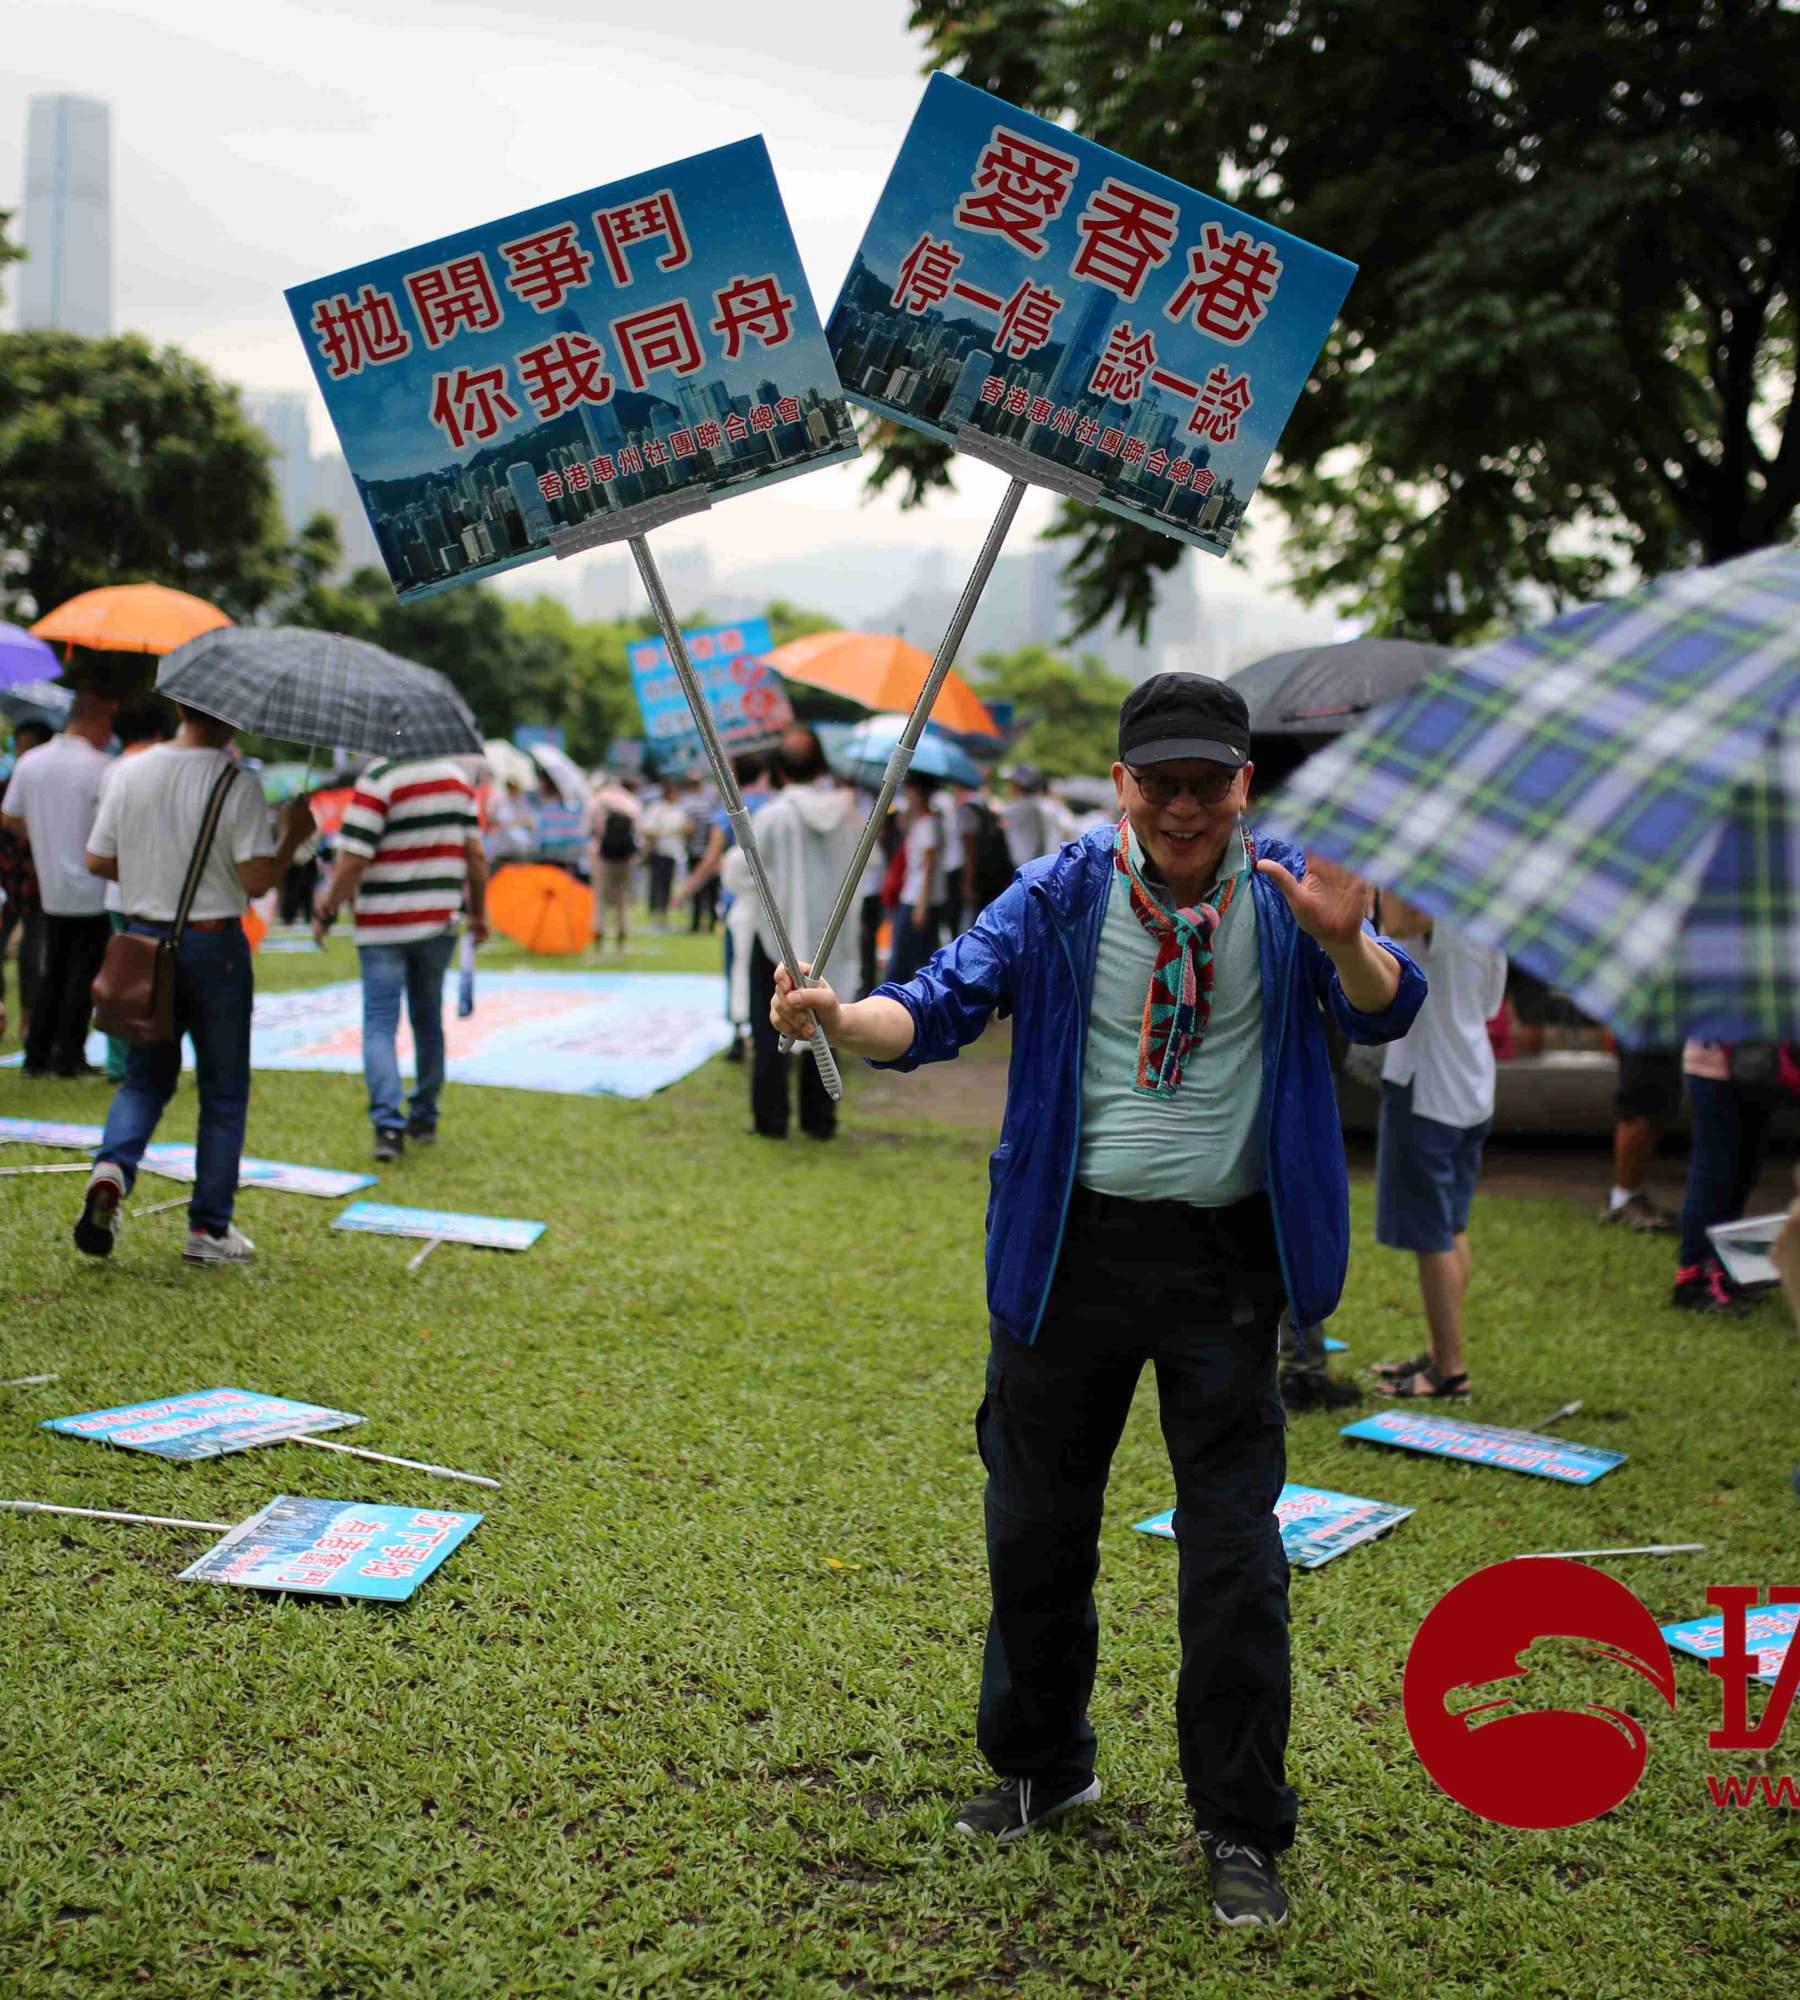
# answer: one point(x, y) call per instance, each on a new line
point(1246, 1891)
point(234, 1247)
point(1640, 1214)
point(1018, 1806)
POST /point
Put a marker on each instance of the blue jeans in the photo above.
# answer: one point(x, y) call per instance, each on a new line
point(1725, 1159)
point(414, 972)
point(213, 991)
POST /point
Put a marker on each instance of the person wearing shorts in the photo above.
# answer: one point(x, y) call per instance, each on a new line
point(1437, 1108)
point(1648, 1099)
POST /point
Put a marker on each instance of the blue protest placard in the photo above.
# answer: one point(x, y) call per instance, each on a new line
point(1768, 1631)
point(333, 1548)
point(1487, 1444)
point(743, 691)
point(647, 341)
point(202, 1425)
point(487, 1232)
point(175, 1161)
point(1315, 1524)
point(1021, 287)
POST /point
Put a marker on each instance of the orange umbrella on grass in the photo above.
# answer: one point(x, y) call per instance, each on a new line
point(881, 673)
point(544, 909)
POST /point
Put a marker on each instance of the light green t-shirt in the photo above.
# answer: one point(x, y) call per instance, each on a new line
point(1205, 1144)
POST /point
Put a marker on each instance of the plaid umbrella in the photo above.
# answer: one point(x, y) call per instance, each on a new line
point(48, 700)
point(1612, 799)
point(320, 688)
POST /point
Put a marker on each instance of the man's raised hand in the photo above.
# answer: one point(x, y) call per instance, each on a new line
point(1329, 903)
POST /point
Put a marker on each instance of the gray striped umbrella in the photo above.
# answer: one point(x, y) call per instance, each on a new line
point(320, 688)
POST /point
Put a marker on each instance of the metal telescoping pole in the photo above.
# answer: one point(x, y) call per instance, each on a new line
point(900, 760)
point(105, 1514)
point(735, 810)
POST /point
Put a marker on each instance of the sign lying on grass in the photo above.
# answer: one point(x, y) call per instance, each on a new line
point(334, 1548)
point(743, 691)
point(442, 1225)
point(1020, 286)
point(202, 1425)
point(646, 341)
point(1487, 1444)
point(1315, 1524)
point(176, 1162)
point(1744, 1248)
point(1768, 1632)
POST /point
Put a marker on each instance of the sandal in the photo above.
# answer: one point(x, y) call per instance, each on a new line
point(1438, 1388)
point(1397, 1371)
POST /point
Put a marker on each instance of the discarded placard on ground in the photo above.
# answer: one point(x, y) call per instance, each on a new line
point(210, 1422)
point(1744, 1248)
point(203, 1424)
point(1315, 1524)
point(440, 1225)
point(175, 1161)
point(1768, 1630)
point(1486, 1444)
point(333, 1548)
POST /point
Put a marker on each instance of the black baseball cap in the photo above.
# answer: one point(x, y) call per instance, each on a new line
point(1175, 716)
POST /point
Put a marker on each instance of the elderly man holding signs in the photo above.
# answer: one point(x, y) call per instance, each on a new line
point(1170, 1172)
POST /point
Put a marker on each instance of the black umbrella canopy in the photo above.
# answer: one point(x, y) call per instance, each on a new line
point(320, 688)
point(1324, 690)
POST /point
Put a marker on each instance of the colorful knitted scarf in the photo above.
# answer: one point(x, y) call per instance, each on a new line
point(1179, 1003)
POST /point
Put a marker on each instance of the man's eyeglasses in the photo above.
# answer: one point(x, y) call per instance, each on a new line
point(1206, 790)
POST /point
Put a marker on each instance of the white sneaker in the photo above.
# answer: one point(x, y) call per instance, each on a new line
point(234, 1247)
point(97, 1227)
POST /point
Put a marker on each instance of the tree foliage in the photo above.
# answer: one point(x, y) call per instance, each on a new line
point(1571, 344)
point(122, 463)
point(1065, 712)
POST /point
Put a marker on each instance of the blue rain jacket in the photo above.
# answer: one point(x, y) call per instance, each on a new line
point(1031, 954)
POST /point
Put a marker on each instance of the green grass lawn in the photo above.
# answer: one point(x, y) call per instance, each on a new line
point(690, 1710)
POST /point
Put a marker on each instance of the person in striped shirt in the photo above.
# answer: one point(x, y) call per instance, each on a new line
point(410, 856)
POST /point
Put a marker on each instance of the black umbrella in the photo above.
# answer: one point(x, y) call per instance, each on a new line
point(320, 688)
point(1324, 690)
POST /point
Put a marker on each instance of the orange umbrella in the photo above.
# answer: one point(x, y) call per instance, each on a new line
point(885, 674)
point(544, 909)
point(130, 618)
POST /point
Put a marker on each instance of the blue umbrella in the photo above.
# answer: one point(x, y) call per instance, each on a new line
point(23, 658)
point(1612, 799)
point(865, 750)
point(37, 698)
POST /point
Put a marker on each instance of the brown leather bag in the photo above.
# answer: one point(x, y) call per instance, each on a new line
point(134, 992)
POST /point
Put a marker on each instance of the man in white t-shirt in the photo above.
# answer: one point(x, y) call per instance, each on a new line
point(144, 839)
point(1437, 1106)
point(51, 801)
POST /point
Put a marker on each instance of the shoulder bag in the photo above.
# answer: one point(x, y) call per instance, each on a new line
point(134, 993)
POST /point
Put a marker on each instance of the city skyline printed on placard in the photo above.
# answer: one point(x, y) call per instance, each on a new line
point(938, 363)
point(461, 481)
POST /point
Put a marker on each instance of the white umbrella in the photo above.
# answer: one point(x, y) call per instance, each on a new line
point(509, 764)
point(562, 771)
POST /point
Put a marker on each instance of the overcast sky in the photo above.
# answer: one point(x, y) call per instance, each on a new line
point(258, 143)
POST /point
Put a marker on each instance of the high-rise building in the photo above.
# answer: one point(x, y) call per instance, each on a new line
point(66, 279)
point(1083, 348)
point(280, 414)
point(522, 478)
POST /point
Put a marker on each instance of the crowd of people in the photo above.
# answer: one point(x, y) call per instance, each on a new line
point(1170, 1185)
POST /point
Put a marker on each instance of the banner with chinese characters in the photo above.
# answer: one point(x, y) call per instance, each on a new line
point(635, 343)
point(743, 691)
point(1061, 300)
point(1487, 1444)
point(204, 1424)
point(175, 1160)
point(488, 1232)
point(1315, 1524)
point(1768, 1632)
point(334, 1548)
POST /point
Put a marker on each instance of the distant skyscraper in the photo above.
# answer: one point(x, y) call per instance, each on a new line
point(66, 280)
point(1083, 347)
point(522, 478)
point(280, 414)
